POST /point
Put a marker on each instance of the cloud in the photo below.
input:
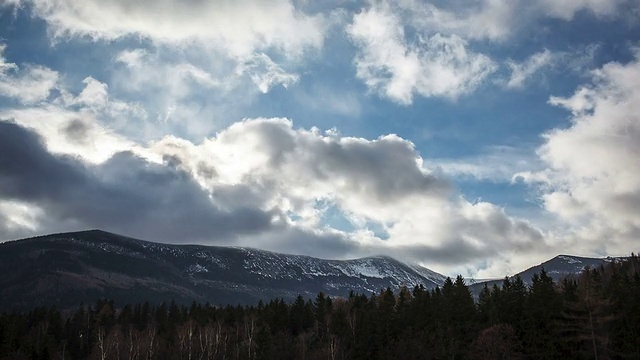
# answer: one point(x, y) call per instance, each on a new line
point(190, 95)
point(29, 84)
point(592, 179)
point(268, 147)
point(81, 125)
point(522, 72)
point(265, 73)
point(433, 65)
point(495, 164)
point(567, 9)
point(176, 90)
point(408, 48)
point(258, 183)
point(381, 181)
point(126, 193)
point(75, 133)
point(207, 40)
point(478, 20)
point(238, 28)
point(499, 20)
point(577, 60)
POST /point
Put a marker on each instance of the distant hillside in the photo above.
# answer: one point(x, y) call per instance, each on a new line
point(81, 267)
point(557, 268)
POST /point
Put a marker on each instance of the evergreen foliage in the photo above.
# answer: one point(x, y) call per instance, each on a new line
point(594, 315)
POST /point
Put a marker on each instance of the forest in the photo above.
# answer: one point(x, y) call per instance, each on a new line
point(594, 315)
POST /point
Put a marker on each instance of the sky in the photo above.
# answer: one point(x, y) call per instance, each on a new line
point(474, 137)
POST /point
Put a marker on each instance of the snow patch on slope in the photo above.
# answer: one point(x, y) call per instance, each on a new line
point(569, 259)
point(197, 268)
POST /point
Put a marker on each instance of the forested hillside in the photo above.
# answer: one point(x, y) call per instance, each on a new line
point(594, 315)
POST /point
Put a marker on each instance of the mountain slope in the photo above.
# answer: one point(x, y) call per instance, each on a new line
point(81, 267)
point(557, 268)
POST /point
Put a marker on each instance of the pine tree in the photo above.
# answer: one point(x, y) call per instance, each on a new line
point(542, 311)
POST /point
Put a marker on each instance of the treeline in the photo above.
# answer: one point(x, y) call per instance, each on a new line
point(595, 315)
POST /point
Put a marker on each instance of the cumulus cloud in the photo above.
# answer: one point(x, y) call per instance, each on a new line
point(125, 193)
point(432, 65)
point(81, 125)
point(382, 181)
point(258, 183)
point(593, 174)
point(238, 28)
point(479, 20)
point(29, 84)
point(75, 133)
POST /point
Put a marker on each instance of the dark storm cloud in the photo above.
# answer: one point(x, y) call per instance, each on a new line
point(29, 172)
point(126, 194)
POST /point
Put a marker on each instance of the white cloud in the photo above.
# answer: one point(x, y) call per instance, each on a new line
point(433, 65)
point(189, 95)
point(593, 175)
point(496, 164)
point(95, 93)
point(29, 84)
point(66, 131)
point(19, 216)
point(498, 20)
point(238, 28)
point(577, 60)
point(75, 124)
point(265, 73)
point(147, 70)
point(239, 33)
point(522, 72)
point(488, 19)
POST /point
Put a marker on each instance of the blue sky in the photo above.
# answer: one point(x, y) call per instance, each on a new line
point(474, 137)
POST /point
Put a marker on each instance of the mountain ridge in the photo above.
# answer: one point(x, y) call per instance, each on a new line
point(66, 269)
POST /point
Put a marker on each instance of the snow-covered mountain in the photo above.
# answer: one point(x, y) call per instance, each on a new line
point(71, 268)
point(564, 265)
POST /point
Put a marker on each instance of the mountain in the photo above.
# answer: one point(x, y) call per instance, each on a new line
point(557, 268)
point(81, 267)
